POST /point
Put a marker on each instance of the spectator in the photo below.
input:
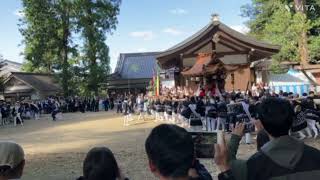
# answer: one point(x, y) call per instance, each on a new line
point(100, 164)
point(239, 166)
point(283, 157)
point(171, 154)
point(262, 139)
point(221, 160)
point(106, 104)
point(11, 161)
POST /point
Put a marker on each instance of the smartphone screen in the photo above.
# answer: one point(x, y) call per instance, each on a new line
point(204, 143)
point(249, 126)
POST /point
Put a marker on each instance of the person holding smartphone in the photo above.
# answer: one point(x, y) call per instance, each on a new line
point(283, 157)
point(173, 160)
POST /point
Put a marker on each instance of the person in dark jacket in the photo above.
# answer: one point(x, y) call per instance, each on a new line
point(221, 114)
point(106, 104)
point(201, 108)
point(111, 100)
point(239, 166)
point(283, 157)
point(55, 106)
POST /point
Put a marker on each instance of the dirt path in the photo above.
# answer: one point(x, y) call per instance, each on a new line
point(55, 150)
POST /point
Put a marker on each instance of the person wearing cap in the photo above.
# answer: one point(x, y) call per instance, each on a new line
point(11, 161)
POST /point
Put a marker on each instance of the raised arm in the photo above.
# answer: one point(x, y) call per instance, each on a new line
point(234, 142)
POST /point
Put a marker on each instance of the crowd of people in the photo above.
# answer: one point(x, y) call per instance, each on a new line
point(171, 154)
point(201, 110)
point(280, 122)
point(221, 111)
point(19, 111)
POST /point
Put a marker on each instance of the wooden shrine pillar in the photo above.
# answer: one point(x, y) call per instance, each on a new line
point(180, 79)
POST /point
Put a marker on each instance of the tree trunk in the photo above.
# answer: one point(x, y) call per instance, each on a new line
point(303, 44)
point(65, 50)
point(91, 52)
point(65, 64)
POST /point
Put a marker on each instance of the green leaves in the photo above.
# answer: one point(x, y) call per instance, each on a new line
point(277, 22)
point(67, 37)
point(314, 48)
point(38, 27)
point(283, 29)
point(94, 20)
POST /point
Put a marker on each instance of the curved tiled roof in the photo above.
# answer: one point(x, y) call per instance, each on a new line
point(39, 81)
point(222, 27)
point(135, 65)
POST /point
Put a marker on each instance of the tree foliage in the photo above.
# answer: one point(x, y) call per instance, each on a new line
point(94, 20)
point(67, 37)
point(46, 28)
point(277, 22)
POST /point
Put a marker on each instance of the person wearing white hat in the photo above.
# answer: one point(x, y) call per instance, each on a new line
point(11, 160)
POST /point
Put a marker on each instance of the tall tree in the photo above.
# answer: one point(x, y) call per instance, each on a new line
point(67, 51)
point(50, 28)
point(38, 27)
point(282, 22)
point(47, 29)
point(95, 19)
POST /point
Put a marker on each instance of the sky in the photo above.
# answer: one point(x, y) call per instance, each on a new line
point(144, 25)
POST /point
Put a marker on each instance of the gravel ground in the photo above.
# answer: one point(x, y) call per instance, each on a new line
point(55, 150)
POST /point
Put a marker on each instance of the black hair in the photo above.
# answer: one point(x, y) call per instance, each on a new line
point(193, 100)
point(238, 95)
point(170, 148)
point(276, 115)
point(100, 164)
point(307, 103)
point(233, 97)
point(262, 139)
point(7, 171)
